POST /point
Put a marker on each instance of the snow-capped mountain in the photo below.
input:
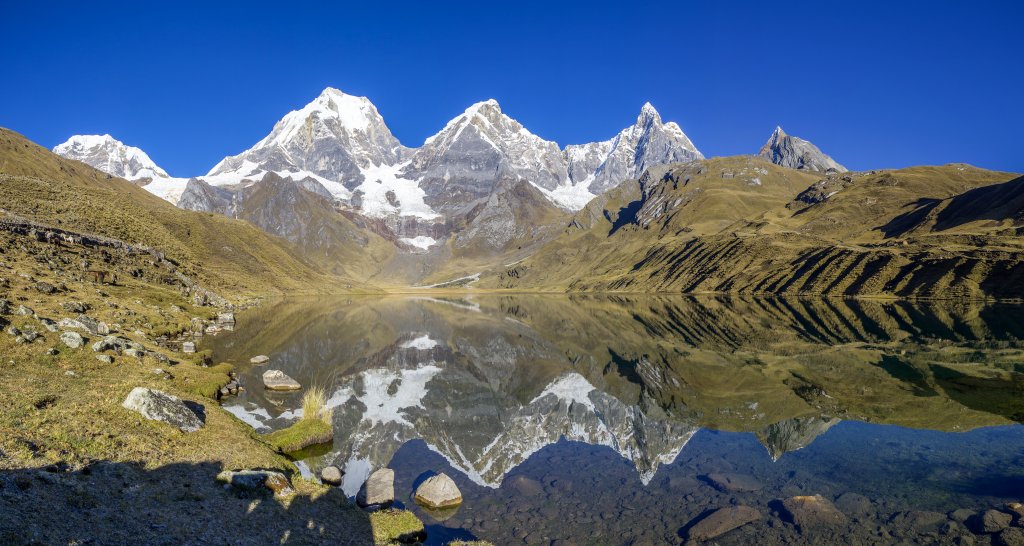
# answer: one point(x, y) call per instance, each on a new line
point(797, 153)
point(338, 139)
point(116, 158)
point(462, 163)
point(111, 156)
point(599, 166)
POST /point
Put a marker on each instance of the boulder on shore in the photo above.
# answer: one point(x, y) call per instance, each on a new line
point(276, 380)
point(378, 489)
point(331, 475)
point(159, 406)
point(438, 491)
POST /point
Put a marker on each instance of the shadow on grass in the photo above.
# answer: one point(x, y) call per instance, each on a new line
point(118, 503)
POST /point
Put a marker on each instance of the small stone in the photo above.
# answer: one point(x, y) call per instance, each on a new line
point(52, 351)
point(807, 511)
point(722, 521)
point(990, 521)
point(226, 318)
point(50, 325)
point(29, 335)
point(438, 491)
point(106, 359)
point(276, 380)
point(378, 489)
point(74, 307)
point(135, 353)
point(734, 482)
point(13, 331)
point(159, 406)
point(70, 373)
point(72, 340)
point(24, 311)
point(261, 359)
point(331, 475)
point(1016, 509)
point(45, 287)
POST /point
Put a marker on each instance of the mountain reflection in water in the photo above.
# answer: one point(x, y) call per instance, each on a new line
point(486, 382)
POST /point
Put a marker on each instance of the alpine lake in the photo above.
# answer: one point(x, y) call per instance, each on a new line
point(627, 420)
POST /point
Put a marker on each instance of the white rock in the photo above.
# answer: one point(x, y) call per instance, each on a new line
point(438, 492)
point(73, 340)
point(261, 359)
point(159, 406)
point(276, 380)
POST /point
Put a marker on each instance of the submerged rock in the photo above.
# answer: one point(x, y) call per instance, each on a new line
point(990, 521)
point(159, 406)
point(378, 489)
point(438, 491)
point(276, 380)
point(722, 521)
point(734, 482)
point(809, 511)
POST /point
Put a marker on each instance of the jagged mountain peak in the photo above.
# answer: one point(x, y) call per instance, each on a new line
point(648, 114)
point(796, 153)
point(111, 156)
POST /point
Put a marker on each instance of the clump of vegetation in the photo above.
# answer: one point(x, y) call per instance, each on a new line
point(315, 427)
point(396, 527)
point(314, 405)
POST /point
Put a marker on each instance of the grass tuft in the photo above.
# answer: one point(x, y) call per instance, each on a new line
point(314, 405)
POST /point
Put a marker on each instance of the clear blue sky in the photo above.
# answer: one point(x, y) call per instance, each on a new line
point(875, 84)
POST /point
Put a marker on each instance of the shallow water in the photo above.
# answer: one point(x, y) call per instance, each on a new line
point(584, 420)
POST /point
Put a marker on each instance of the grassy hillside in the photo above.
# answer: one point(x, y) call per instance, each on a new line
point(230, 257)
point(743, 225)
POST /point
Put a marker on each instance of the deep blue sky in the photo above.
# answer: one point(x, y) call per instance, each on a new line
point(875, 84)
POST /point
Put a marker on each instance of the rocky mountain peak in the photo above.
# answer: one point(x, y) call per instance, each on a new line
point(796, 153)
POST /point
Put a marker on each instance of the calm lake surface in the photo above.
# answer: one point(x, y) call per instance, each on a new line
point(595, 420)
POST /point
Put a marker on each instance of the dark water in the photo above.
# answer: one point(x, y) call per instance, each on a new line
point(604, 420)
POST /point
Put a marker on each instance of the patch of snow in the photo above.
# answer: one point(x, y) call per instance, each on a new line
point(383, 407)
point(570, 196)
point(252, 417)
point(420, 241)
point(571, 387)
point(379, 180)
point(168, 189)
point(422, 343)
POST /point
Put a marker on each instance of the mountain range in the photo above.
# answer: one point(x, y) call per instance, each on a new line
point(485, 202)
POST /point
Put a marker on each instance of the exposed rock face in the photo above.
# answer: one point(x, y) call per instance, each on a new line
point(438, 492)
point(111, 156)
point(276, 380)
point(159, 406)
point(461, 164)
point(378, 489)
point(335, 138)
point(797, 153)
point(722, 521)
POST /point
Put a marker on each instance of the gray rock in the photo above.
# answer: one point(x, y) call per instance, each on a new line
point(378, 489)
point(722, 521)
point(135, 353)
point(810, 511)
point(226, 318)
point(45, 287)
point(331, 475)
point(50, 325)
point(961, 515)
point(159, 406)
point(5, 307)
point(256, 481)
point(261, 359)
point(188, 347)
point(74, 307)
point(106, 359)
point(438, 491)
point(276, 380)
point(30, 335)
point(72, 340)
point(24, 311)
point(13, 331)
point(797, 153)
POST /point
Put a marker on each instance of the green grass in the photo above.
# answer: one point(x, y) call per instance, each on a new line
point(304, 433)
point(395, 527)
